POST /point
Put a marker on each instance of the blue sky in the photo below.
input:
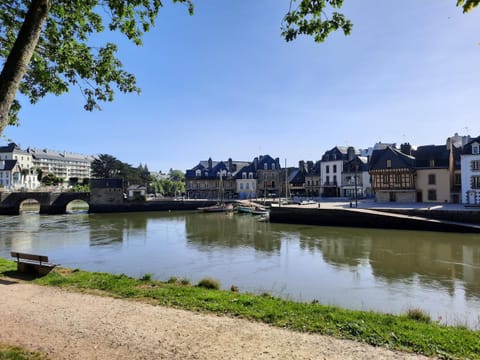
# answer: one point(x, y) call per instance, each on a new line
point(223, 83)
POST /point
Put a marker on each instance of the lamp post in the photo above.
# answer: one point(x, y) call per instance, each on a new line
point(356, 195)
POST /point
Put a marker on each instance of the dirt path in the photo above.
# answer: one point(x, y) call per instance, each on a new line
point(69, 325)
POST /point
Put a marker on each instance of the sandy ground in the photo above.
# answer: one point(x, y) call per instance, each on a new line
point(69, 325)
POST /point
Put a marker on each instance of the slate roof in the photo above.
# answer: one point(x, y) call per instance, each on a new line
point(217, 166)
point(361, 161)
point(10, 148)
point(8, 165)
point(337, 153)
point(467, 149)
point(250, 168)
point(399, 160)
point(425, 154)
point(58, 155)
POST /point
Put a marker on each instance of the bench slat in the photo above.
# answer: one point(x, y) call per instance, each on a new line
point(40, 258)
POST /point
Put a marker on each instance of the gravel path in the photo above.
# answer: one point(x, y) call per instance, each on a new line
point(69, 325)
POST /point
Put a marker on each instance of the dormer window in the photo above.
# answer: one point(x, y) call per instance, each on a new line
point(198, 173)
point(389, 164)
point(244, 175)
point(273, 166)
point(250, 175)
point(432, 163)
point(265, 166)
point(475, 149)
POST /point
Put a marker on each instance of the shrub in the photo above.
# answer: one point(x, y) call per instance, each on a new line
point(418, 315)
point(209, 283)
point(172, 280)
point(185, 281)
point(146, 277)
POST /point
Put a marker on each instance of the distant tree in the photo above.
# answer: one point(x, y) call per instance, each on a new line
point(106, 166)
point(39, 173)
point(51, 179)
point(176, 175)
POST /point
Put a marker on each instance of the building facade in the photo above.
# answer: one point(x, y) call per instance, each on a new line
point(64, 165)
point(470, 167)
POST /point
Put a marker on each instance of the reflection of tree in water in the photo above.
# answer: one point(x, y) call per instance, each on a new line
point(206, 231)
point(106, 229)
point(435, 259)
point(339, 246)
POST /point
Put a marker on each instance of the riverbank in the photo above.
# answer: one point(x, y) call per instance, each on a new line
point(224, 337)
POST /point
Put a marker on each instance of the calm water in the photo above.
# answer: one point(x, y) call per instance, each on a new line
point(388, 271)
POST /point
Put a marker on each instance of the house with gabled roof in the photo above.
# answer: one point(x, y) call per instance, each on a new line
point(312, 180)
point(270, 176)
point(355, 178)
point(470, 167)
point(246, 182)
point(434, 173)
point(331, 169)
point(10, 174)
point(213, 179)
point(393, 174)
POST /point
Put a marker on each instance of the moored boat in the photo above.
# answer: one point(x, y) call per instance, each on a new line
point(217, 208)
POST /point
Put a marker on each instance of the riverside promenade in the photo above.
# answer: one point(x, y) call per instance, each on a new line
point(368, 214)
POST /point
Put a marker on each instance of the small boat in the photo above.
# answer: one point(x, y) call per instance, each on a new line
point(254, 210)
point(217, 208)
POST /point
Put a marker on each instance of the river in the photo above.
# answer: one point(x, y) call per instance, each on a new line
point(367, 269)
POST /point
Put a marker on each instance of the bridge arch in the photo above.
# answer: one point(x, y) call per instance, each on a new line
point(50, 203)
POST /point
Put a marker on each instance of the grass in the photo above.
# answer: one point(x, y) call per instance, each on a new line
point(398, 332)
point(15, 353)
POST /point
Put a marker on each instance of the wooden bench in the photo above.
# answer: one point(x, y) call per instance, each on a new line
point(32, 264)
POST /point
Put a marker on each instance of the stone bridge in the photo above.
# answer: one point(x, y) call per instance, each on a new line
point(50, 202)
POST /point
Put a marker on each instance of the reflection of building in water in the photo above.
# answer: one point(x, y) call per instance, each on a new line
point(434, 259)
point(345, 248)
point(205, 231)
point(471, 270)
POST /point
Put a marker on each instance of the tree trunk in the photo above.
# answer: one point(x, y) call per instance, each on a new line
point(17, 61)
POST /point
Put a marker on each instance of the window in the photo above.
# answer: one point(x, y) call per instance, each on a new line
point(250, 175)
point(431, 179)
point(432, 195)
point(475, 182)
point(265, 166)
point(273, 166)
point(334, 179)
point(328, 180)
point(198, 173)
point(432, 163)
point(244, 175)
point(389, 164)
point(457, 179)
point(241, 186)
point(327, 169)
point(475, 165)
point(334, 168)
point(247, 186)
point(475, 149)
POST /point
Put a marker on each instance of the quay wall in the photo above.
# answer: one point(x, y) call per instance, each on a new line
point(363, 219)
point(464, 216)
point(163, 205)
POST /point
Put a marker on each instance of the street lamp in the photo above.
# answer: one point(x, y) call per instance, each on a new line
point(356, 195)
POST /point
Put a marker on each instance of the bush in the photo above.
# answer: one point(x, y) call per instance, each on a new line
point(209, 283)
point(146, 277)
point(418, 315)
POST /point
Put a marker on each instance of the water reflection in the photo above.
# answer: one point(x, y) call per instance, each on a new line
point(357, 268)
point(208, 231)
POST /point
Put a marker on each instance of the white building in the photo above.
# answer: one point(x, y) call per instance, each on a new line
point(28, 177)
point(10, 175)
point(470, 167)
point(62, 164)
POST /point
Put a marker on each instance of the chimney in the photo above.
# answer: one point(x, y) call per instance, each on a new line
point(406, 148)
point(210, 163)
point(351, 153)
point(230, 165)
point(277, 163)
point(301, 165)
point(255, 163)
